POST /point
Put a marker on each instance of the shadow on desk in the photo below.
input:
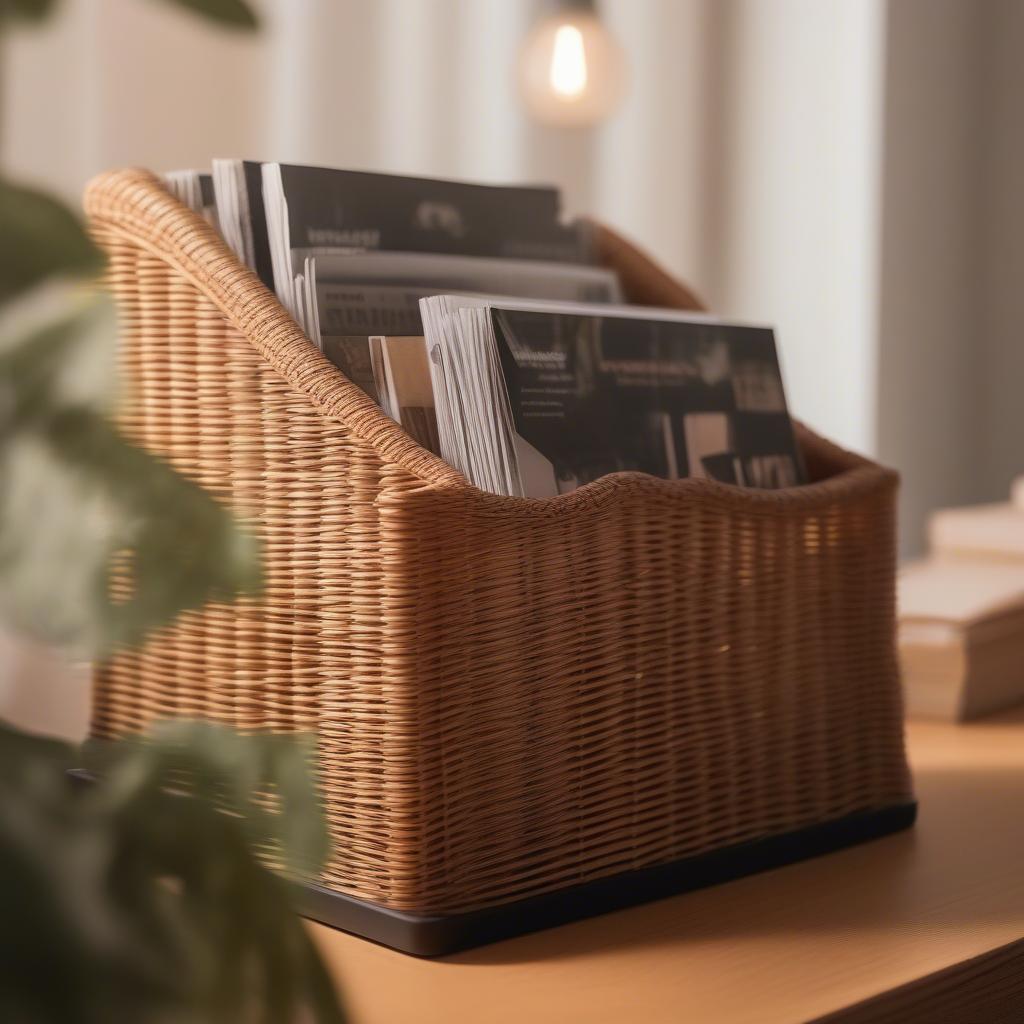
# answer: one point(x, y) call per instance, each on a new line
point(960, 867)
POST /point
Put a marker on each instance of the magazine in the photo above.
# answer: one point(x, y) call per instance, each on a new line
point(194, 189)
point(379, 292)
point(407, 394)
point(316, 211)
point(313, 209)
point(350, 254)
point(536, 399)
point(238, 188)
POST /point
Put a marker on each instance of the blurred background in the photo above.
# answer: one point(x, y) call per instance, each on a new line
point(847, 170)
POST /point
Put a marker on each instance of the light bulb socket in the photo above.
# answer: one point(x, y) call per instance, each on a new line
point(576, 6)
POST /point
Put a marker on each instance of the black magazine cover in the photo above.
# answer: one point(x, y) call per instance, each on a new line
point(357, 209)
point(257, 221)
point(591, 395)
point(206, 191)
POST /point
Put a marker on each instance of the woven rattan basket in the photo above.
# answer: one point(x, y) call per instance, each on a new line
point(526, 711)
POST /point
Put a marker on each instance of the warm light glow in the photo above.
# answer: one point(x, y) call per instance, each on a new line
point(568, 62)
point(571, 70)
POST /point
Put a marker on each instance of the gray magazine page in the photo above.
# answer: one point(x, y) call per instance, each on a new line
point(379, 293)
point(355, 209)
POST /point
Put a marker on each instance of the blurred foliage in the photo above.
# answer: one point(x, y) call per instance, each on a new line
point(76, 494)
point(26, 10)
point(139, 900)
point(138, 896)
point(233, 13)
point(41, 238)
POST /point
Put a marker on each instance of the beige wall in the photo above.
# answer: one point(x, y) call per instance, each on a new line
point(951, 360)
point(1001, 293)
point(114, 82)
point(798, 233)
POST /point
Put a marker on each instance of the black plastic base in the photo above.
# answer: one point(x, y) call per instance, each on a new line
point(432, 935)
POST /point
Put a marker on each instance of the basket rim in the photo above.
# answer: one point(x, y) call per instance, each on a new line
point(134, 203)
point(855, 478)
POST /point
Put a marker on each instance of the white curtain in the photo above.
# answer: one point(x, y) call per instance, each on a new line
point(843, 169)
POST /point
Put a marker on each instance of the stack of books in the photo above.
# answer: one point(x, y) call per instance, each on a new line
point(961, 612)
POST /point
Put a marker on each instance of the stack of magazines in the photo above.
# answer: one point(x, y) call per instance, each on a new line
point(535, 399)
point(195, 190)
point(477, 318)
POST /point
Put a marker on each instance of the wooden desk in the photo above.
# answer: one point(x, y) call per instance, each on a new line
point(923, 923)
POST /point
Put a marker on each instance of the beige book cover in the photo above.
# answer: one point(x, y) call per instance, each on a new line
point(981, 530)
point(410, 394)
point(961, 637)
point(958, 591)
point(1017, 493)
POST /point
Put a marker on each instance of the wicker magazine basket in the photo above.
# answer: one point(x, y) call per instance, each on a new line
point(526, 711)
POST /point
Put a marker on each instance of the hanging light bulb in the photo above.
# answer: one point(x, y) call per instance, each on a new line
point(571, 69)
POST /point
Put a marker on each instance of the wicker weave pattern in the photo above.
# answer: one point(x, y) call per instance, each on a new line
point(510, 696)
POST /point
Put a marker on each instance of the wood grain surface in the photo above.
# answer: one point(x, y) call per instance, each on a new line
point(924, 924)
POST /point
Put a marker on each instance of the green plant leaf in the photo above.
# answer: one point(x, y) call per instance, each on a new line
point(26, 10)
point(41, 238)
point(58, 344)
point(233, 13)
point(143, 896)
point(76, 494)
point(235, 768)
